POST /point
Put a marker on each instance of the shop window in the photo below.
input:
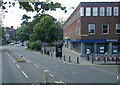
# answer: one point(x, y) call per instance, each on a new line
point(117, 28)
point(88, 11)
point(116, 11)
point(102, 11)
point(105, 28)
point(91, 28)
point(95, 11)
point(115, 49)
point(109, 11)
point(82, 11)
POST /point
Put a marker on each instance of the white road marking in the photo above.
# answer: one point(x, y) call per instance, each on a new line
point(51, 75)
point(13, 61)
point(59, 82)
point(11, 58)
point(17, 66)
point(29, 61)
point(73, 72)
point(24, 74)
point(36, 65)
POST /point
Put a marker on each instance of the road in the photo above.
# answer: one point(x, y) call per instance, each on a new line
point(33, 70)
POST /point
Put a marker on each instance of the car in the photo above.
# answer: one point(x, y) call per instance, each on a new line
point(12, 43)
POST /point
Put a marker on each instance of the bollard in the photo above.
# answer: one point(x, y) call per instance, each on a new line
point(104, 59)
point(92, 60)
point(78, 60)
point(60, 58)
point(51, 54)
point(69, 58)
point(116, 59)
point(64, 57)
point(88, 57)
point(46, 75)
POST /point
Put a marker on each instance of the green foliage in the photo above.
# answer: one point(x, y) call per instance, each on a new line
point(36, 45)
point(48, 29)
point(34, 6)
point(22, 33)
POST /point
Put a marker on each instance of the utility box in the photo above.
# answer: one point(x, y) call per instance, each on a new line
point(58, 50)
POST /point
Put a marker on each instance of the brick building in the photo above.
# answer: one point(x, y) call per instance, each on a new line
point(94, 27)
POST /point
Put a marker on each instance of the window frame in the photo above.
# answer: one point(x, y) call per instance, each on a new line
point(107, 29)
point(95, 11)
point(114, 11)
point(117, 28)
point(82, 11)
point(108, 12)
point(90, 28)
point(88, 13)
point(103, 12)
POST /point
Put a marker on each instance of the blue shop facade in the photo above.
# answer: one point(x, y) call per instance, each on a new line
point(95, 46)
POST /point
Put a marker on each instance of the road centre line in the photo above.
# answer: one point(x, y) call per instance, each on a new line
point(17, 66)
point(13, 61)
point(51, 75)
point(24, 74)
point(36, 65)
point(73, 72)
point(29, 61)
point(11, 58)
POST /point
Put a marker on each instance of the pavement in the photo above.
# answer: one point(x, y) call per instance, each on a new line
point(82, 60)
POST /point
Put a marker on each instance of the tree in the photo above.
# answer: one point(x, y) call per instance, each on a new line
point(34, 6)
point(22, 33)
point(2, 34)
point(25, 19)
point(47, 29)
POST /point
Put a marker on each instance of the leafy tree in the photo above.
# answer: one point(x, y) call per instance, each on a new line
point(34, 6)
point(2, 34)
point(22, 33)
point(48, 29)
point(25, 19)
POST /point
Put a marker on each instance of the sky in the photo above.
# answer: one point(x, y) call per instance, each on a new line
point(13, 17)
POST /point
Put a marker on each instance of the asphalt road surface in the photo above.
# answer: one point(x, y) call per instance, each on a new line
point(33, 70)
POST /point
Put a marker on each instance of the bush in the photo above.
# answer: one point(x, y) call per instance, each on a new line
point(35, 45)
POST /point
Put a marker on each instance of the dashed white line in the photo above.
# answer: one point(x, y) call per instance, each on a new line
point(29, 61)
point(11, 58)
point(24, 74)
point(51, 75)
point(73, 72)
point(17, 66)
point(36, 65)
point(13, 61)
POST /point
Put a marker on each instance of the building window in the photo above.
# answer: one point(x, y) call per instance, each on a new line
point(102, 11)
point(91, 28)
point(109, 11)
point(82, 11)
point(95, 11)
point(88, 11)
point(105, 28)
point(116, 9)
point(117, 28)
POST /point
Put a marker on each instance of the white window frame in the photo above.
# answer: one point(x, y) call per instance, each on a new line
point(95, 11)
point(117, 28)
point(107, 29)
point(88, 11)
point(116, 11)
point(109, 11)
point(81, 11)
point(89, 28)
point(102, 11)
